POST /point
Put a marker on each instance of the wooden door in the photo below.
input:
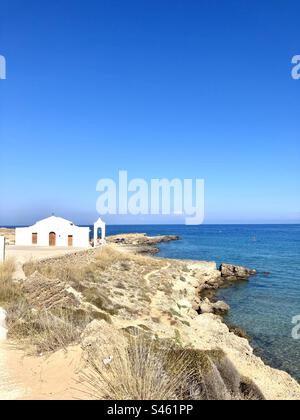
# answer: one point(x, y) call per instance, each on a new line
point(70, 240)
point(34, 238)
point(52, 239)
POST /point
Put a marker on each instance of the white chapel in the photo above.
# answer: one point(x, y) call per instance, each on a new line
point(58, 232)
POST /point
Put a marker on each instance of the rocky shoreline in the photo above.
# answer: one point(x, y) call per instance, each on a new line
point(140, 243)
point(204, 302)
point(122, 290)
point(228, 273)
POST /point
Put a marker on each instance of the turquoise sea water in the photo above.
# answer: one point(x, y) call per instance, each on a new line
point(265, 305)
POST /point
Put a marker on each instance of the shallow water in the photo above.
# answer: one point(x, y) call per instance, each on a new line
point(265, 305)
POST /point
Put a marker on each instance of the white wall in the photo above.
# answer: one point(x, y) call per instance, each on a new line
point(61, 227)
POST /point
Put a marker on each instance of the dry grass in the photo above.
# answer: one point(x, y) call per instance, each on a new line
point(9, 290)
point(110, 279)
point(135, 373)
point(103, 266)
point(65, 272)
point(145, 369)
point(108, 256)
point(44, 331)
point(75, 272)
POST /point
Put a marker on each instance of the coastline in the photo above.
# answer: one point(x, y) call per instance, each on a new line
point(209, 291)
point(157, 295)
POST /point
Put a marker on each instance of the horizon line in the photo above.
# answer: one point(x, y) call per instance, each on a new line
point(179, 224)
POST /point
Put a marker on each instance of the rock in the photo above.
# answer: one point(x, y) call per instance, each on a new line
point(141, 239)
point(140, 243)
point(206, 307)
point(239, 332)
point(147, 249)
point(184, 303)
point(100, 333)
point(220, 308)
point(236, 272)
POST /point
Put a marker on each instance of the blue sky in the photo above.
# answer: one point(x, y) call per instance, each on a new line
point(185, 89)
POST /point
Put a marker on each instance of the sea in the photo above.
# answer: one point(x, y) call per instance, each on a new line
point(266, 305)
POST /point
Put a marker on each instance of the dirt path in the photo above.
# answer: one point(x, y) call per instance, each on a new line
point(154, 272)
point(154, 308)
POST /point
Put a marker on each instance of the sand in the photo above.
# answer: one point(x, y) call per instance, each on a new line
point(55, 377)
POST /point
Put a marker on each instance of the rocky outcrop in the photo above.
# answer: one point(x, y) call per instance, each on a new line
point(236, 272)
point(217, 308)
point(141, 243)
point(141, 239)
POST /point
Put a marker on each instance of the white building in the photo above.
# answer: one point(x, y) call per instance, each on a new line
point(54, 231)
point(99, 237)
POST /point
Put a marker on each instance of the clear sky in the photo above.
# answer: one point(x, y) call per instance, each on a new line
point(161, 88)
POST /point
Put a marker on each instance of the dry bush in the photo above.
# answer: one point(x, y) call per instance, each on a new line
point(146, 369)
point(250, 391)
point(135, 373)
point(9, 290)
point(7, 268)
point(44, 331)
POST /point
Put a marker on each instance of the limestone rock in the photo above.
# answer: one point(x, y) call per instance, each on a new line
point(236, 271)
point(141, 239)
point(220, 307)
point(100, 333)
point(206, 307)
point(184, 303)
